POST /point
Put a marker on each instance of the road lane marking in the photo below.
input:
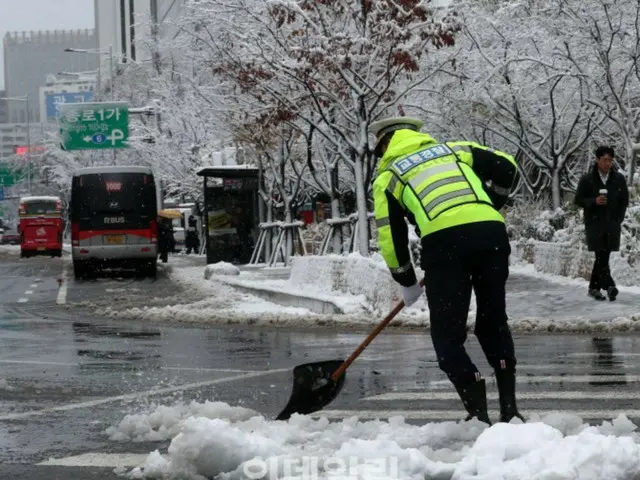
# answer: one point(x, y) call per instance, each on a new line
point(28, 292)
point(138, 395)
point(105, 460)
point(70, 364)
point(522, 369)
point(62, 291)
point(391, 355)
point(34, 285)
point(458, 415)
point(546, 395)
point(23, 300)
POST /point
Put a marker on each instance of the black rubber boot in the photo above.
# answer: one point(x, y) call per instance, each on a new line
point(474, 399)
point(506, 380)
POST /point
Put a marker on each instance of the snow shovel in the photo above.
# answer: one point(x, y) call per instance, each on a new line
point(315, 385)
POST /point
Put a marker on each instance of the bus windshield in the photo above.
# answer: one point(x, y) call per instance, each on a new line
point(113, 193)
point(40, 206)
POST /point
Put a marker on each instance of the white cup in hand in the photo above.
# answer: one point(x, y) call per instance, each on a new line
point(602, 198)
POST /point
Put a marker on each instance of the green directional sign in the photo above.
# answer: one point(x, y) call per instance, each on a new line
point(94, 125)
point(9, 176)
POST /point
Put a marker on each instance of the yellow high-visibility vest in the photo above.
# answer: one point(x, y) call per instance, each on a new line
point(435, 182)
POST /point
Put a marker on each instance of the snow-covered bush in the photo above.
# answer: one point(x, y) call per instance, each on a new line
point(630, 240)
point(532, 221)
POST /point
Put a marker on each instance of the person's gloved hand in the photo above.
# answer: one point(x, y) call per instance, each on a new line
point(411, 294)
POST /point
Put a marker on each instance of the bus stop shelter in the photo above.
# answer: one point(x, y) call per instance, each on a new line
point(231, 212)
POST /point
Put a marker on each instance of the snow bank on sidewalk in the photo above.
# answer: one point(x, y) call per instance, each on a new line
point(361, 286)
point(567, 260)
point(215, 440)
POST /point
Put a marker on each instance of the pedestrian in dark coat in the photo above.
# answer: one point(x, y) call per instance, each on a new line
point(192, 242)
point(604, 196)
point(165, 237)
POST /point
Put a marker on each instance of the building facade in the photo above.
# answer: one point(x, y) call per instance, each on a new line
point(127, 26)
point(4, 114)
point(30, 56)
point(14, 138)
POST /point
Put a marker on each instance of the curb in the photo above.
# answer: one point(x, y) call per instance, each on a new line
point(315, 305)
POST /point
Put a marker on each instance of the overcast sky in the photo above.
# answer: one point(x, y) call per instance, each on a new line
point(19, 15)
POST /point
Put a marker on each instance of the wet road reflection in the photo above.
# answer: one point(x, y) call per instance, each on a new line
point(63, 382)
point(605, 362)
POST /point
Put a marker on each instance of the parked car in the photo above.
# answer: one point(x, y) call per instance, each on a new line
point(10, 238)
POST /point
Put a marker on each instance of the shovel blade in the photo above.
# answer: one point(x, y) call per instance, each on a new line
point(313, 388)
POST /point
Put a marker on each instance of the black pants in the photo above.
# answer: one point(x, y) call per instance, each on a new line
point(448, 285)
point(601, 273)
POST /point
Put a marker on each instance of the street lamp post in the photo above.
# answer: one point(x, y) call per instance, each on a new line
point(98, 51)
point(28, 153)
point(111, 72)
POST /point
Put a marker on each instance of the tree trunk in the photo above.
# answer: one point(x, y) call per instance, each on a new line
point(288, 218)
point(631, 159)
point(335, 207)
point(555, 189)
point(361, 201)
point(335, 213)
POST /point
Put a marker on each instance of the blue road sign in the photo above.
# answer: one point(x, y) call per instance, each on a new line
point(99, 138)
point(52, 101)
point(1, 193)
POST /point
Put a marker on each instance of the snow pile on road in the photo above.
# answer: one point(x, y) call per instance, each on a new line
point(215, 440)
point(9, 250)
point(220, 268)
point(210, 302)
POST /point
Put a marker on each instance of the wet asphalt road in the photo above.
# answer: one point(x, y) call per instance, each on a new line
point(66, 376)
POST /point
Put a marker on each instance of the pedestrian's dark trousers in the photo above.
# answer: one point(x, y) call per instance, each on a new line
point(448, 285)
point(601, 273)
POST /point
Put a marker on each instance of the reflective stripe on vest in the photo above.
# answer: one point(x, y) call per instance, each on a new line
point(451, 190)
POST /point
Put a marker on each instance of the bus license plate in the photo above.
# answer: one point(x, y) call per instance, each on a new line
point(115, 239)
point(41, 249)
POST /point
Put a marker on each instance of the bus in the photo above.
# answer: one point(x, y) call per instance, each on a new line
point(113, 215)
point(40, 226)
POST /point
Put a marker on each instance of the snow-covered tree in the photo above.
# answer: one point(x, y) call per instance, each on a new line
point(604, 47)
point(334, 65)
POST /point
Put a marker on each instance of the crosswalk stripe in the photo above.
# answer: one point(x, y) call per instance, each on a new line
point(546, 395)
point(599, 354)
point(460, 414)
point(97, 459)
point(595, 379)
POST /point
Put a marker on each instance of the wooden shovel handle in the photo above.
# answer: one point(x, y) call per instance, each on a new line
point(340, 371)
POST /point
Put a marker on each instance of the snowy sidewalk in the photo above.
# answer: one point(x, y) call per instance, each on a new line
point(541, 302)
point(535, 302)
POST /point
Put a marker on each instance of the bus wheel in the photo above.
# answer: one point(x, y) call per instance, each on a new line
point(151, 269)
point(79, 269)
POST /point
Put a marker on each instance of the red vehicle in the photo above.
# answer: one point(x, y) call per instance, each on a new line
point(40, 226)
